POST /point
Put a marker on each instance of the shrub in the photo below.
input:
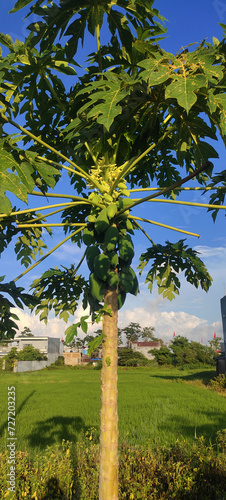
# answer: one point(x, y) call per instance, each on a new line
point(48, 476)
point(98, 365)
point(10, 359)
point(69, 472)
point(221, 439)
point(59, 361)
point(219, 382)
point(128, 357)
point(30, 353)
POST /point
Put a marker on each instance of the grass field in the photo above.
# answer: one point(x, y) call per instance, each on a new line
point(155, 405)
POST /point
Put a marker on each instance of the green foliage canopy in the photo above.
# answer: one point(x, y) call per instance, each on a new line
point(136, 117)
point(182, 352)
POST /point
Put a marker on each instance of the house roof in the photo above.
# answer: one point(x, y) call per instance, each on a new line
point(146, 344)
point(32, 338)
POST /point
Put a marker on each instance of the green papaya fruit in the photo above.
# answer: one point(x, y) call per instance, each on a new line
point(113, 280)
point(94, 303)
point(102, 266)
point(121, 299)
point(126, 280)
point(102, 221)
point(88, 236)
point(122, 185)
point(113, 256)
point(126, 249)
point(111, 238)
point(91, 253)
point(129, 282)
point(135, 288)
point(108, 197)
point(111, 210)
point(125, 192)
point(124, 266)
point(91, 218)
point(129, 226)
point(97, 287)
point(95, 197)
point(124, 203)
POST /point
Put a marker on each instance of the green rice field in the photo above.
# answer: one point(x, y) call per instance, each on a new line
point(156, 406)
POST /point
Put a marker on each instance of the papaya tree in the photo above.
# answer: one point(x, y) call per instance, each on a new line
point(138, 122)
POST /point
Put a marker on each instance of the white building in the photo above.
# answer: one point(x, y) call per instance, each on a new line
point(145, 347)
point(50, 346)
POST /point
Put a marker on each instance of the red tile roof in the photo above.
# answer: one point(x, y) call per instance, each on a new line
point(146, 344)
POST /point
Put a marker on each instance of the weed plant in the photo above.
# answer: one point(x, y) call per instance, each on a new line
point(68, 472)
point(219, 382)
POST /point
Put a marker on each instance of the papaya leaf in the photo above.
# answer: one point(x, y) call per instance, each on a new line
point(105, 99)
point(83, 324)
point(157, 70)
point(58, 290)
point(20, 4)
point(8, 327)
point(168, 261)
point(6, 40)
point(217, 197)
point(71, 332)
point(94, 344)
point(184, 88)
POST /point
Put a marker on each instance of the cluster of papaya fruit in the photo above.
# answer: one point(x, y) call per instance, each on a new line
point(109, 254)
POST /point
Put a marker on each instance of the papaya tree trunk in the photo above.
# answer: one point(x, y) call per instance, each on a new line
point(108, 476)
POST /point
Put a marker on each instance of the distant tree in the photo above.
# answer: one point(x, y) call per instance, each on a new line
point(26, 332)
point(79, 343)
point(147, 333)
point(88, 339)
point(163, 356)
point(179, 347)
point(178, 343)
point(182, 352)
point(132, 332)
point(76, 343)
point(215, 343)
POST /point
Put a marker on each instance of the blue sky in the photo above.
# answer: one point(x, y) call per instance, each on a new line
point(194, 313)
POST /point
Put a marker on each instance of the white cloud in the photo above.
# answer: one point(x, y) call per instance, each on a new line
point(55, 327)
point(68, 252)
point(208, 252)
point(166, 323)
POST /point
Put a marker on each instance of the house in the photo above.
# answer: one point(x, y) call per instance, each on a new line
point(50, 346)
point(144, 347)
point(72, 358)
